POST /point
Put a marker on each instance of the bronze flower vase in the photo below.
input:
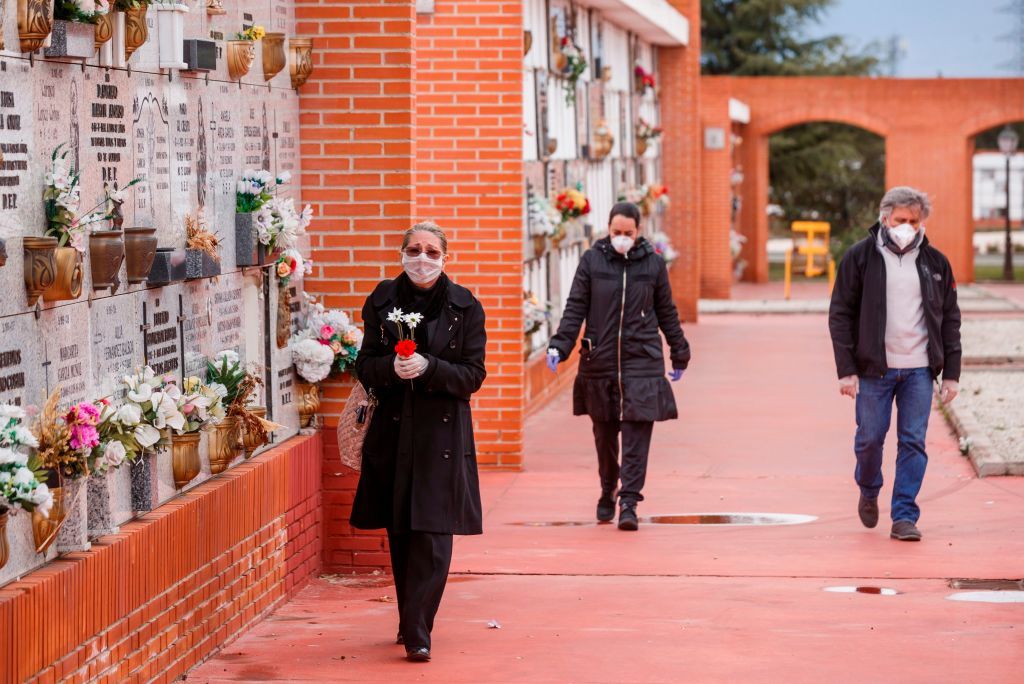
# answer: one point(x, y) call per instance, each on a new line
point(5, 549)
point(135, 30)
point(284, 316)
point(301, 63)
point(40, 265)
point(241, 54)
point(250, 440)
point(35, 21)
point(67, 282)
point(273, 55)
point(309, 403)
point(641, 147)
point(540, 243)
point(224, 439)
point(44, 530)
point(140, 251)
point(185, 461)
point(104, 29)
point(106, 252)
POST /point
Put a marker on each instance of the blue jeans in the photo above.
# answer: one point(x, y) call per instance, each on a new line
point(912, 390)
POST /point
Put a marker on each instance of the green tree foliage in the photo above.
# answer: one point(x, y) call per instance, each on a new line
point(820, 170)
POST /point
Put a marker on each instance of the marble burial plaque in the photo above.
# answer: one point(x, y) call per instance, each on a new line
point(255, 133)
point(19, 209)
point(227, 328)
point(182, 100)
point(224, 141)
point(106, 141)
point(197, 326)
point(283, 407)
point(117, 341)
point(65, 332)
point(162, 340)
point(22, 358)
point(151, 154)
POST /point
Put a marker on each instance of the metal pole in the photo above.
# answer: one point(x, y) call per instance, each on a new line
point(1008, 256)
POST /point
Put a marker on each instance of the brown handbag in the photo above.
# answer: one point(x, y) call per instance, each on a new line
point(352, 425)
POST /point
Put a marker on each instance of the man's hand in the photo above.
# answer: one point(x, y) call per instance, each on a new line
point(676, 374)
point(849, 386)
point(949, 390)
point(410, 367)
point(553, 358)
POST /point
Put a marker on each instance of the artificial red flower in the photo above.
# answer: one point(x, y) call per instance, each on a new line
point(405, 348)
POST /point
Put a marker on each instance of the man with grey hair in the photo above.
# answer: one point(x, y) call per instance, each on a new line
point(895, 328)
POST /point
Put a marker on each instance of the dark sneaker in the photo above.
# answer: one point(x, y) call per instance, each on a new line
point(606, 507)
point(627, 517)
point(868, 511)
point(904, 530)
point(418, 655)
point(399, 639)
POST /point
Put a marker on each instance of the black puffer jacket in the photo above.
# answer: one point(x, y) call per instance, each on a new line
point(857, 315)
point(624, 300)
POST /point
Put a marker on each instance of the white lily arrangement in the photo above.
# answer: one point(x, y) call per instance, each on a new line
point(20, 487)
point(277, 222)
point(542, 217)
point(157, 401)
point(327, 344)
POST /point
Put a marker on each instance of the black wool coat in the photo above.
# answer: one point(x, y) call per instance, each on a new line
point(857, 313)
point(419, 457)
point(624, 300)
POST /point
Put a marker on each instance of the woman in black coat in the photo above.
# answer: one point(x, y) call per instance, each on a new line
point(621, 290)
point(419, 475)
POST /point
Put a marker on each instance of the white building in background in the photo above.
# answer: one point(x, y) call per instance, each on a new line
point(990, 188)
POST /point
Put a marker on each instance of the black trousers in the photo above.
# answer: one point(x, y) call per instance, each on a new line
point(636, 443)
point(419, 562)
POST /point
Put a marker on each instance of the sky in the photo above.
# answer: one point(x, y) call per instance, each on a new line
point(954, 38)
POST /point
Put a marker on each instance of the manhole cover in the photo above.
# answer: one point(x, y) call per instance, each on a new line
point(992, 584)
point(878, 591)
point(988, 596)
point(732, 519)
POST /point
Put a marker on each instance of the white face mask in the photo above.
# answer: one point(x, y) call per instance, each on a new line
point(422, 269)
point(623, 243)
point(903, 234)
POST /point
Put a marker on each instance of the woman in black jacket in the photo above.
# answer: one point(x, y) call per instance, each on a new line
point(419, 475)
point(621, 290)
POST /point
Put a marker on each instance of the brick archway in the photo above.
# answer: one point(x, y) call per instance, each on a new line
point(929, 127)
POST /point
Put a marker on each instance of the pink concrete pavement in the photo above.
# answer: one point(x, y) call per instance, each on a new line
point(763, 430)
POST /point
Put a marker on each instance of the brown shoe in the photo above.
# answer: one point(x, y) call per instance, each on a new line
point(904, 530)
point(867, 509)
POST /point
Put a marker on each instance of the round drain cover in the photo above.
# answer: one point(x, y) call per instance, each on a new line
point(731, 519)
point(878, 591)
point(988, 596)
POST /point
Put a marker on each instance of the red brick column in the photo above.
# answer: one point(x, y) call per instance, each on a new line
point(469, 178)
point(681, 152)
point(716, 195)
point(357, 132)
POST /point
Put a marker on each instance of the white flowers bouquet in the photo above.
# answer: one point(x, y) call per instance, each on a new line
point(290, 265)
point(332, 330)
point(19, 487)
point(535, 314)
point(543, 218)
point(277, 222)
point(61, 198)
point(663, 246)
point(157, 400)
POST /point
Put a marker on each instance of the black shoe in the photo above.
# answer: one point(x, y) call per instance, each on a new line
point(418, 655)
point(606, 507)
point(904, 530)
point(399, 640)
point(868, 511)
point(627, 517)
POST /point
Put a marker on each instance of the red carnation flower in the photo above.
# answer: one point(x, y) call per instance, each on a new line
point(405, 348)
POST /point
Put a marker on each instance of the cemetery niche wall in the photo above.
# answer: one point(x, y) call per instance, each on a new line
point(161, 111)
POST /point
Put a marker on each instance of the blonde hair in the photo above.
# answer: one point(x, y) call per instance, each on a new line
point(426, 227)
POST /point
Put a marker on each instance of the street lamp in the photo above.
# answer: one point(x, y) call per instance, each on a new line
point(1008, 141)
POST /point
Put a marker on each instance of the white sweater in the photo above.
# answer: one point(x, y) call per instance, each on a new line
point(906, 335)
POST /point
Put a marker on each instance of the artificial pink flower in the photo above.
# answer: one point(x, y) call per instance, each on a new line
point(326, 332)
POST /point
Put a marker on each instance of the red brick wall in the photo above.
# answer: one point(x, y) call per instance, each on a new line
point(680, 158)
point(357, 132)
point(469, 178)
point(716, 197)
point(174, 585)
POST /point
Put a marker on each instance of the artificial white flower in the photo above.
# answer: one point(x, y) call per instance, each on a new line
point(284, 177)
point(114, 454)
point(141, 394)
point(8, 456)
point(129, 414)
point(312, 360)
point(413, 319)
point(395, 316)
point(146, 435)
point(23, 476)
point(218, 389)
point(229, 354)
point(11, 411)
point(42, 499)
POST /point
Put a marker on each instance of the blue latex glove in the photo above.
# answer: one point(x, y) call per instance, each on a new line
point(676, 374)
point(552, 360)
